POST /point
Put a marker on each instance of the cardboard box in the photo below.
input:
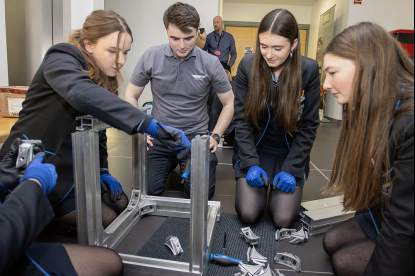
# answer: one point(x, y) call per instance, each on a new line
point(11, 99)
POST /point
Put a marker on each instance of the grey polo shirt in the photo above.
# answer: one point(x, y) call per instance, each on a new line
point(181, 87)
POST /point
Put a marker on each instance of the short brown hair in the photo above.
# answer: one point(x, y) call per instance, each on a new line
point(183, 16)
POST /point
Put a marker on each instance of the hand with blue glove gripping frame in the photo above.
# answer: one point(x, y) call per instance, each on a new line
point(42, 172)
point(256, 176)
point(171, 137)
point(284, 182)
point(114, 186)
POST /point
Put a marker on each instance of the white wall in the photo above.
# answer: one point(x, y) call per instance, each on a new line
point(255, 12)
point(391, 15)
point(81, 9)
point(333, 109)
point(145, 19)
point(4, 76)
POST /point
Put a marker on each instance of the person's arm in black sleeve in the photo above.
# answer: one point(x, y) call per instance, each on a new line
point(64, 74)
point(244, 134)
point(310, 121)
point(23, 215)
point(394, 251)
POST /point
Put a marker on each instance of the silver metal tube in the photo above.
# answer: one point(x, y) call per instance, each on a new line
point(139, 156)
point(85, 150)
point(199, 204)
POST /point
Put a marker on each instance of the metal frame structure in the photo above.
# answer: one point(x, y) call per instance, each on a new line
point(203, 214)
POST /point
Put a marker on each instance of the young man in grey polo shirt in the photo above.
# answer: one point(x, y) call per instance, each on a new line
point(181, 77)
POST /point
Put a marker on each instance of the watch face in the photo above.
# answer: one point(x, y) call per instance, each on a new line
point(216, 137)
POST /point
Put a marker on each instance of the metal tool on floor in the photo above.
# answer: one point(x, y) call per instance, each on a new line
point(284, 234)
point(249, 270)
point(255, 258)
point(299, 237)
point(249, 236)
point(174, 245)
point(223, 258)
point(289, 260)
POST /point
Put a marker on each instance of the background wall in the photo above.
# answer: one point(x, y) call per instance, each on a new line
point(255, 12)
point(333, 109)
point(391, 15)
point(4, 79)
point(146, 22)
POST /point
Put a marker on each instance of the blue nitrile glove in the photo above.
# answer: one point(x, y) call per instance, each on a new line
point(113, 184)
point(284, 182)
point(256, 176)
point(171, 137)
point(42, 172)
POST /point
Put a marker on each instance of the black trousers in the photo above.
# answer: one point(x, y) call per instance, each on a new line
point(161, 161)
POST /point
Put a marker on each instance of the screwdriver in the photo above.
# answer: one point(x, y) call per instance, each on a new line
point(223, 258)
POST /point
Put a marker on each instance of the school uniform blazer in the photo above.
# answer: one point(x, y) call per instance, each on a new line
point(394, 251)
point(302, 142)
point(22, 217)
point(61, 91)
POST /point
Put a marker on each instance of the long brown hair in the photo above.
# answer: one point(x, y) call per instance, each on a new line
point(261, 89)
point(384, 75)
point(98, 24)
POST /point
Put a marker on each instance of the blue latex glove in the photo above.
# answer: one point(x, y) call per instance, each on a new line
point(256, 177)
point(42, 172)
point(284, 182)
point(113, 185)
point(171, 137)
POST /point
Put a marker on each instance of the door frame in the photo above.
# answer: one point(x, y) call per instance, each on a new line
point(256, 25)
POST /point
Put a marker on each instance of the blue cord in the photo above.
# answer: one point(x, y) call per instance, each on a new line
point(49, 152)
point(63, 197)
point(265, 130)
point(37, 265)
point(374, 222)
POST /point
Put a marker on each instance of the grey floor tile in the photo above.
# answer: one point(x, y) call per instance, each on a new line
point(227, 203)
point(313, 188)
point(225, 180)
point(124, 149)
point(224, 155)
point(112, 143)
point(114, 133)
point(322, 160)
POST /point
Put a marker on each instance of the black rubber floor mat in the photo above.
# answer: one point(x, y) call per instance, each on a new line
point(236, 245)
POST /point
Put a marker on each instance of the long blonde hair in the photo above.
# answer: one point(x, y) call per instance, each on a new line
point(97, 25)
point(384, 76)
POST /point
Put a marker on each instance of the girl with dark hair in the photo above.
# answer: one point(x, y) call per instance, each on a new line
point(76, 79)
point(277, 98)
point(371, 75)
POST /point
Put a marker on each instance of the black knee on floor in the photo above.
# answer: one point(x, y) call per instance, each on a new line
point(248, 217)
point(108, 217)
point(283, 221)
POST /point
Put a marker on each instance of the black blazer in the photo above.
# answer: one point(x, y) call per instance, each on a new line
point(246, 137)
point(394, 251)
point(22, 217)
point(61, 91)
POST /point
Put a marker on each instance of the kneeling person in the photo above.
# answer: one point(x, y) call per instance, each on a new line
point(181, 77)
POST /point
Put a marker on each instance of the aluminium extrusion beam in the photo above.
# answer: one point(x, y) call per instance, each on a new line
point(203, 214)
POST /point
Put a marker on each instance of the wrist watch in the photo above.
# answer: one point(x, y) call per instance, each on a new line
point(216, 137)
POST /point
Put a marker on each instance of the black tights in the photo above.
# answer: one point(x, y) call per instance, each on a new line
point(250, 203)
point(110, 211)
point(94, 261)
point(349, 247)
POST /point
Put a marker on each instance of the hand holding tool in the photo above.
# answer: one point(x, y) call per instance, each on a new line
point(44, 173)
point(223, 258)
point(256, 176)
point(284, 182)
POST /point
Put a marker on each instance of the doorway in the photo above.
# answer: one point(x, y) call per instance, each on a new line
point(245, 40)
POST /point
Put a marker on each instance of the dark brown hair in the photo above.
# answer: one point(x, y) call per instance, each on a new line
point(99, 24)
point(261, 89)
point(183, 16)
point(384, 75)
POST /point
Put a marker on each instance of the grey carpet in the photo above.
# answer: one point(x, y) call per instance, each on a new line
point(236, 245)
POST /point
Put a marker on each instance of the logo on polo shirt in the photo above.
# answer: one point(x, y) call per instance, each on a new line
point(199, 77)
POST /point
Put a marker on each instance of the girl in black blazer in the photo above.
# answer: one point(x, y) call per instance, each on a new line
point(369, 73)
point(277, 100)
